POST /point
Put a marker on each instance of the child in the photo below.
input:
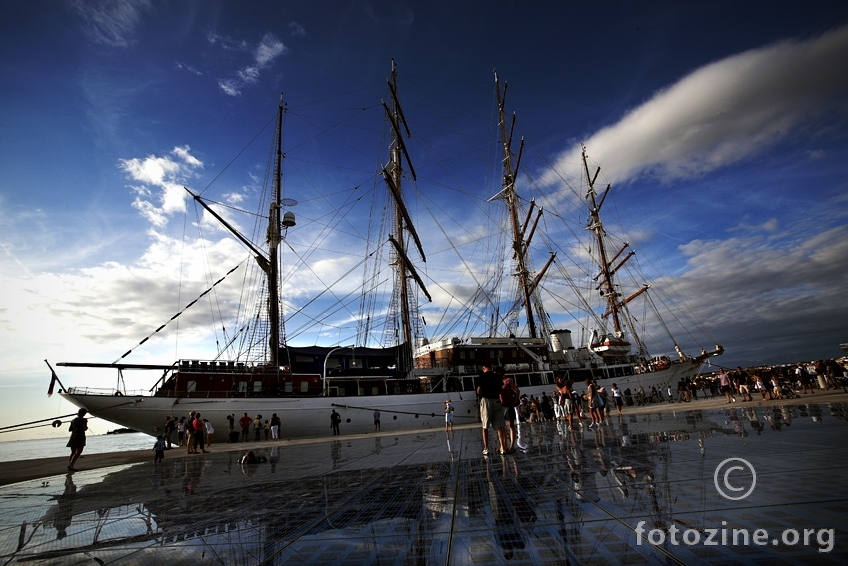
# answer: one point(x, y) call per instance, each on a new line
point(251, 458)
point(209, 431)
point(159, 450)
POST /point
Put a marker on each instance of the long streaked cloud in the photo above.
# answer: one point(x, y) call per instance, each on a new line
point(111, 22)
point(160, 181)
point(264, 55)
point(723, 112)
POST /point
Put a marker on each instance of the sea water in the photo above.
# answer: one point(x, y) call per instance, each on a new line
point(16, 450)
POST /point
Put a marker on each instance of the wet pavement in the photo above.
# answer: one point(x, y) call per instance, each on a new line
point(639, 490)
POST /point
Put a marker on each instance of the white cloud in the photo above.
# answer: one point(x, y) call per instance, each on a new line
point(248, 75)
point(185, 67)
point(230, 87)
point(269, 49)
point(96, 314)
point(770, 225)
point(724, 112)
point(227, 43)
point(798, 283)
point(297, 30)
point(110, 22)
point(264, 55)
point(168, 175)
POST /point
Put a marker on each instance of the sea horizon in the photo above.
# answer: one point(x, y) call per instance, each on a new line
point(33, 449)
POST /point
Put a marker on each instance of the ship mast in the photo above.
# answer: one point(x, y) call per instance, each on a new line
point(274, 238)
point(269, 264)
point(403, 226)
point(606, 286)
point(509, 194)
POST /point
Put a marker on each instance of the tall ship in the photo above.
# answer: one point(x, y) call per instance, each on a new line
point(389, 364)
point(611, 350)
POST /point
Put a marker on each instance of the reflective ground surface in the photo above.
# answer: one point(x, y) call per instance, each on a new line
point(623, 494)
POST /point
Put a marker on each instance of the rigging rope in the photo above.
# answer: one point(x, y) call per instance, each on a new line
point(128, 352)
point(56, 419)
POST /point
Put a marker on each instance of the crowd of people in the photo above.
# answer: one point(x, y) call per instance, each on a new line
point(195, 433)
point(502, 406)
point(767, 382)
point(498, 409)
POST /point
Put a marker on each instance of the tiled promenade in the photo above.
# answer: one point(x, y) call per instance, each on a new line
point(618, 495)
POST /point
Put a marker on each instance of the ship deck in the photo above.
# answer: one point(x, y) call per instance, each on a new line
point(432, 497)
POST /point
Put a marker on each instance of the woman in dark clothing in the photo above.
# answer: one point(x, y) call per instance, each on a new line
point(77, 441)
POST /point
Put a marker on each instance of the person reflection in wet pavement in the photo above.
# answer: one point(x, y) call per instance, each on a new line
point(336, 452)
point(65, 508)
point(509, 513)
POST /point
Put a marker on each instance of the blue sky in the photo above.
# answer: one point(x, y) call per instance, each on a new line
point(721, 125)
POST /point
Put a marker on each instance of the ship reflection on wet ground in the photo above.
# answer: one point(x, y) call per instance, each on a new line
point(608, 496)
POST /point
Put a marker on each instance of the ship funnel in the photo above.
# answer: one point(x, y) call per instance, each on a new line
point(561, 341)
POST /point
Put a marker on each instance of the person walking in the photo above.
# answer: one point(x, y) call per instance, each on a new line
point(335, 420)
point(803, 377)
point(376, 419)
point(566, 400)
point(617, 398)
point(448, 415)
point(77, 441)
point(491, 410)
point(275, 427)
point(510, 398)
point(724, 381)
point(596, 405)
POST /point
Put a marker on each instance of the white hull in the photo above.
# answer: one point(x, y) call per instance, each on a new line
point(309, 417)
point(301, 417)
point(661, 379)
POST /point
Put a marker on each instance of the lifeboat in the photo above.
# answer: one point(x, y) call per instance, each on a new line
point(610, 346)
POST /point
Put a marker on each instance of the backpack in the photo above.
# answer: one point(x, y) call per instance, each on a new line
point(510, 395)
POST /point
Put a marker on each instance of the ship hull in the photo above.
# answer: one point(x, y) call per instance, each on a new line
point(309, 417)
point(661, 379)
point(301, 417)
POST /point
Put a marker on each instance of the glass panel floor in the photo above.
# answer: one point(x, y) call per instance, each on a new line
point(641, 489)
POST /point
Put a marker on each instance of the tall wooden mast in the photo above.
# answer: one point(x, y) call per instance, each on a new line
point(606, 285)
point(274, 238)
point(509, 194)
point(403, 226)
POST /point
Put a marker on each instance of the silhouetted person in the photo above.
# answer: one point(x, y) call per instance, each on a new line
point(77, 441)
